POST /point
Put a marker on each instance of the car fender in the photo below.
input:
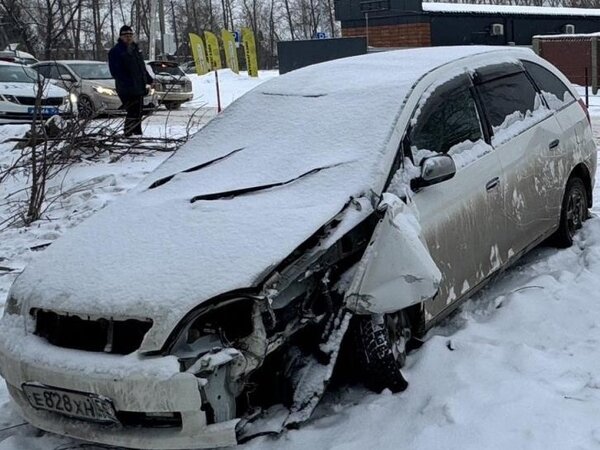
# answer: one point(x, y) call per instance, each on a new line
point(396, 270)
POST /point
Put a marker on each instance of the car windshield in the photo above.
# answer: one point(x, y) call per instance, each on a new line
point(93, 71)
point(17, 74)
point(165, 68)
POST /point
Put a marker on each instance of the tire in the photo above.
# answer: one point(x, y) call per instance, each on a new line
point(573, 212)
point(172, 105)
point(380, 344)
point(85, 107)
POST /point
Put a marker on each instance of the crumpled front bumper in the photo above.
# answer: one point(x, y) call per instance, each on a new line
point(134, 384)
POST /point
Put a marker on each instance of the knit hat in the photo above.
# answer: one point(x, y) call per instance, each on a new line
point(125, 29)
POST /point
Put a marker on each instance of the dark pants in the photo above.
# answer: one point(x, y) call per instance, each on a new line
point(133, 120)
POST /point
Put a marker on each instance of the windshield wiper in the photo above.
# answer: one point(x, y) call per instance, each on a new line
point(250, 190)
point(165, 180)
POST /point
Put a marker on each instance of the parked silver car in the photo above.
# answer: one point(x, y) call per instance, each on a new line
point(172, 85)
point(363, 198)
point(92, 82)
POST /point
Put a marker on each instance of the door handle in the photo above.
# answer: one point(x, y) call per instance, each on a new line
point(553, 144)
point(492, 183)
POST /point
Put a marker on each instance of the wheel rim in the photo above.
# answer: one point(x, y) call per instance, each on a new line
point(85, 107)
point(576, 209)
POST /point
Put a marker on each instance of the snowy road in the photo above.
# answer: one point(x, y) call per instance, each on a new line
point(517, 368)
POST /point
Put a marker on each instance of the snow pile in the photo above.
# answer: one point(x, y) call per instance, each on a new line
point(516, 123)
point(231, 86)
point(467, 152)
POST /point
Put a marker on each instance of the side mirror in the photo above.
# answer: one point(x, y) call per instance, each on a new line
point(434, 170)
point(67, 77)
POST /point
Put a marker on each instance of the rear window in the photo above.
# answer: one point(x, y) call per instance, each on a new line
point(166, 69)
point(92, 71)
point(508, 99)
point(553, 90)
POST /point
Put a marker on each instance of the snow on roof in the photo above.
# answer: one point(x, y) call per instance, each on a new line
point(324, 132)
point(457, 8)
point(77, 61)
point(566, 36)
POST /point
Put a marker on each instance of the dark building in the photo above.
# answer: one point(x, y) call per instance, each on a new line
point(413, 23)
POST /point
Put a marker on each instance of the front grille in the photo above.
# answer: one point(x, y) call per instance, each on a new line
point(50, 101)
point(150, 420)
point(120, 337)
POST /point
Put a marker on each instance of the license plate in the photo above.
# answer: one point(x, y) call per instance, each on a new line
point(45, 111)
point(79, 405)
point(173, 87)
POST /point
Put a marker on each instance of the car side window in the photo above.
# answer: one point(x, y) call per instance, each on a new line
point(447, 118)
point(62, 70)
point(508, 99)
point(553, 90)
point(52, 72)
point(43, 70)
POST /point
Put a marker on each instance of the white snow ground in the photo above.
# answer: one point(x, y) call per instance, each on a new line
point(517, 367)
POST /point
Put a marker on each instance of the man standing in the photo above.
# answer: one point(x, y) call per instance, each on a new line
point(131, 78)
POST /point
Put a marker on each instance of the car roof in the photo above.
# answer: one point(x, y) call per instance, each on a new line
point(74, 61)
point(376, 70)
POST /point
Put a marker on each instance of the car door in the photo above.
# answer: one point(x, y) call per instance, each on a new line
point(574, 129)
point(460, 218)
point(65, 78)
point(525, 136)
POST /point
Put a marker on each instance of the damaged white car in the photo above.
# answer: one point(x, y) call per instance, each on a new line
point(357, 201)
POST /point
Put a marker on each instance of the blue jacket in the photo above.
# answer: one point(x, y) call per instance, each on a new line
point(128, 69)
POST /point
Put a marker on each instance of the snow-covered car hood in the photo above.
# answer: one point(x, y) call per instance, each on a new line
point(238, 198)
point(30, 90)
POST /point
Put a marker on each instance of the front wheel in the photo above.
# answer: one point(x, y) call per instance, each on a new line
point(381, 342)
point(574, 211)
point(85, 108)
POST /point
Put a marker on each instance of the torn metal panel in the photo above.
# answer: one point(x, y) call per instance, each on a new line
point(314, 376)
point(397, 270)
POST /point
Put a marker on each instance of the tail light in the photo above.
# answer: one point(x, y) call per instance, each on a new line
point(585, 110)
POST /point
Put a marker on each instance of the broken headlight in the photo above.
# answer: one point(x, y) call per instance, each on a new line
point(215, 327)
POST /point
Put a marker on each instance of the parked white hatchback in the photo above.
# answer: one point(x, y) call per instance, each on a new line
point(364, 197)
point(18, 96)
